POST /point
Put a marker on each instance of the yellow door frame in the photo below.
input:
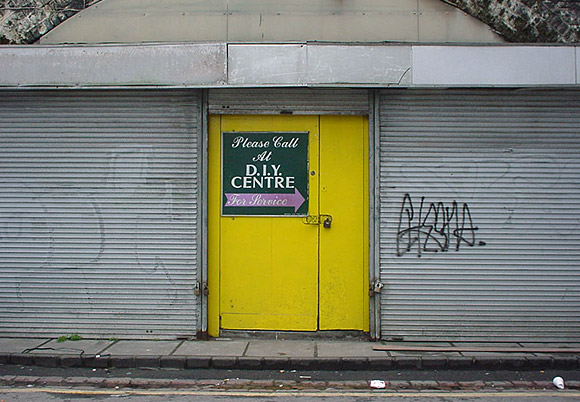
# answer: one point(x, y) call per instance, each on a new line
point(333, 290)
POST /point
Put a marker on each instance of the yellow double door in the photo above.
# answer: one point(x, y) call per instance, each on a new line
point(294, 273)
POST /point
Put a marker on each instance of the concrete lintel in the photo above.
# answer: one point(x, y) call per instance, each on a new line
point(484, 66)
point(113, 65)
point(318, 64)
point(221, 65)
point(577, 52)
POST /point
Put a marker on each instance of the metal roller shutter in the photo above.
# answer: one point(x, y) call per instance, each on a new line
point(480, 215)
point(289, 101)
point(99, 213)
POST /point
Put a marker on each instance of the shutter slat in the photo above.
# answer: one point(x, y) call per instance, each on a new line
point(486, 242)
point(99, 213)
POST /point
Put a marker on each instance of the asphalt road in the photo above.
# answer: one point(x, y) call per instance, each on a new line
point(22, 393)
point(75, 395)
point(320, 375)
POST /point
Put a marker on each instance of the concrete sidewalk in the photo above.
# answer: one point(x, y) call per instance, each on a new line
point(281, 354)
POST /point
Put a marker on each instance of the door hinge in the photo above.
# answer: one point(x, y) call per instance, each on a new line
point(199, 288)
point(375, 288)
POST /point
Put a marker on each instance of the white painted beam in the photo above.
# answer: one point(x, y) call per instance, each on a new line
point(494, 65)
point(316, 64)
point(217, 65)
point(142, 65)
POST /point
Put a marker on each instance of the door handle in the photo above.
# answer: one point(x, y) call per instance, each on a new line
point(324, 220)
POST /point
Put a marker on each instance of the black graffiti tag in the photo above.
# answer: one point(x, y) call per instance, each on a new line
point(434, 227)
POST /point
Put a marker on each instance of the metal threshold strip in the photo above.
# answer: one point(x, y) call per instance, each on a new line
point(522, 349)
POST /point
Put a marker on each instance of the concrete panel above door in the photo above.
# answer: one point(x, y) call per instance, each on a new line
point(317, 64)
point(135, 21)
point(224, 65)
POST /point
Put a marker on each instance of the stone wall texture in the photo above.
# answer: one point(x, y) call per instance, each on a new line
point(519, 21)
point(25, 21)
point(533, 21)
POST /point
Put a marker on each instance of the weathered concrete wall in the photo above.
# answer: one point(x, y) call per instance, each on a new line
point(549, 21)
point(267, 21)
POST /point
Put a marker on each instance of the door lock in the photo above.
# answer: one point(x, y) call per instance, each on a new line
point(324, 220)
point(200, 288)
point(375, 288)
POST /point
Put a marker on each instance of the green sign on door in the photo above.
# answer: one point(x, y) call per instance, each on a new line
point(264, 173)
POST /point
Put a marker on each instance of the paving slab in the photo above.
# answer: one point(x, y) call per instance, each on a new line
point(559, 356)
point(19, 345)
point(568, 345)
point(410, 353)
point(489, 345)
point(267, 348)
point(497, 355)
point(212, 348)
point(248, 353)
point(143, 348)
point(83, 346)
point(348, 349)
point(431, 354)
point(414, 344)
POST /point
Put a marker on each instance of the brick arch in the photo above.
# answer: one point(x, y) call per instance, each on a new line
point(549, 21)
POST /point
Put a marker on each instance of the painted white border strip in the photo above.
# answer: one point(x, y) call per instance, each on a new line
point(123, 65)
point(215, 65)
point(494, 65)
point(577, 51)
point(316, 64)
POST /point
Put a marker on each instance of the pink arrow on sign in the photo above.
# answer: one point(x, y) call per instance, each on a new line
point(265, 200)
